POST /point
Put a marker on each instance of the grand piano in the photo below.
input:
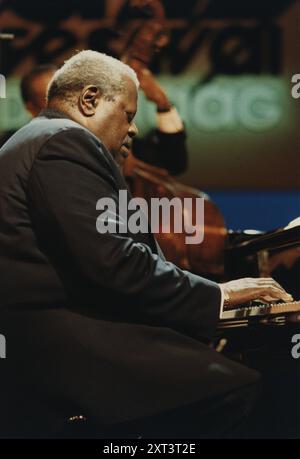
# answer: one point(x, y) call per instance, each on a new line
point(262, 336)
point(275, 254)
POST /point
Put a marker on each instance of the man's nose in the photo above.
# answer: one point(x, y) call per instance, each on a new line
point(133, 130)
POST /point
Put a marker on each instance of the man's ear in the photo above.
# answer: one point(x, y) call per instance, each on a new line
point(89, 99)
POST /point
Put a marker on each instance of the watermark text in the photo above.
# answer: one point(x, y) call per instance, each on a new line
point(162, 215)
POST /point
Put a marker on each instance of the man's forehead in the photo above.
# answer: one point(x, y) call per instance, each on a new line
point(130, 85)
point(130, 95)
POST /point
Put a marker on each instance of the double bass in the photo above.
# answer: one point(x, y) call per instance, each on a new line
point(148, 181)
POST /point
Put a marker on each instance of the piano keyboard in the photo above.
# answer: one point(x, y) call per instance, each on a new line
point(258, 309)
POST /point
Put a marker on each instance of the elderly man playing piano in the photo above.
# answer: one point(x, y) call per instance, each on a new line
point(100, 325)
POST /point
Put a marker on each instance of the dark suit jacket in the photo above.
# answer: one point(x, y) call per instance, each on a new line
point(97, 324)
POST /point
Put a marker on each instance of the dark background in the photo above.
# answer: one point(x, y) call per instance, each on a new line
point(247, 156)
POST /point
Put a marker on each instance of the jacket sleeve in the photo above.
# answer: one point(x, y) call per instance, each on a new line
point(123, 278)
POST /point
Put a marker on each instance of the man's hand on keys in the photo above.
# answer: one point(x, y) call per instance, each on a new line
point(247, 289)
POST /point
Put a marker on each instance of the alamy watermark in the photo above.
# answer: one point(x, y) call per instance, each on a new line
point(296, 346)
point(296, 88)
point(2, 87)
point(2, 347)
point(163, 215)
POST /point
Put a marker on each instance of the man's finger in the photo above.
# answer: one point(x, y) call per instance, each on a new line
point(269, 281)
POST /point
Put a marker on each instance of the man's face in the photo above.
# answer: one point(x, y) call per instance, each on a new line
point(38, 89)
point(113, 122)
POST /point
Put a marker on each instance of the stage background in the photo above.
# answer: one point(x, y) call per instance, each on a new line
point(228, 69)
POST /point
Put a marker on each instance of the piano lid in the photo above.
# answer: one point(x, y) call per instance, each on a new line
point(282, 238)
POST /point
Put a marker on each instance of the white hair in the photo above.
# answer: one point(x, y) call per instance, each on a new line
point(90, 68)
